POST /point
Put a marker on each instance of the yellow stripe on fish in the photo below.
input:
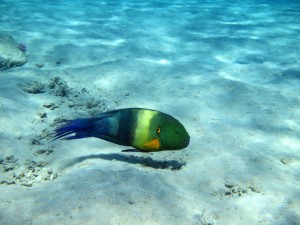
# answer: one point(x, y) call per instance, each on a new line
point(143, 133)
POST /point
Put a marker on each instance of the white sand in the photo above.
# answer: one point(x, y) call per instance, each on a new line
point(229, 72)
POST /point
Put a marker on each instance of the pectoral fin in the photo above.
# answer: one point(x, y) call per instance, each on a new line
point(154, 144)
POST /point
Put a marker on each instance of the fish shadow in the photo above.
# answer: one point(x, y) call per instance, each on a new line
point(131, 159)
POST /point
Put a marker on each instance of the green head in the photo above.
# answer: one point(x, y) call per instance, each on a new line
point(171, 133)
point(157, 131)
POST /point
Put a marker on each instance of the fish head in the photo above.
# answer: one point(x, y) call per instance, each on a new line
point(171, 134)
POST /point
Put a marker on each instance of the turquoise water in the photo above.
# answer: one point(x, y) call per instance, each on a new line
point(228, 70)
point(246, 32)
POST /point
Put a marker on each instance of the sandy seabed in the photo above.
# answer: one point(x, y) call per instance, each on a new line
point(230, 72)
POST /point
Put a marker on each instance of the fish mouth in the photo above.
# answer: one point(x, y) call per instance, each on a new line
point(185, 143)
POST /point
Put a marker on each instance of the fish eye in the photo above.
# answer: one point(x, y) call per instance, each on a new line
point(158, 130)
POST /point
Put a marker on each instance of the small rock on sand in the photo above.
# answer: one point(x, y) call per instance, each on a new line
point(10, 54)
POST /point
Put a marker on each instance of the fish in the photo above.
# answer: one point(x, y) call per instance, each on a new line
point(143, 129)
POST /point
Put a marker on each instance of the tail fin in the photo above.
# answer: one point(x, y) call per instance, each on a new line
point(82, 128)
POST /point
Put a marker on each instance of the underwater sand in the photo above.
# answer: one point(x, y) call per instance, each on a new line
point(229, 71)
